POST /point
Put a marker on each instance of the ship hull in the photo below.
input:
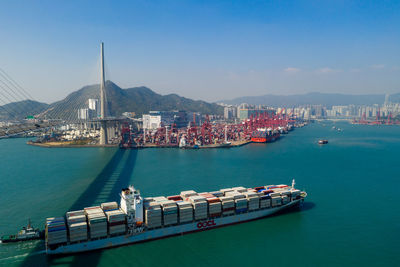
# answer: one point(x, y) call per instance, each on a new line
point(164, 232)
point(267, 139)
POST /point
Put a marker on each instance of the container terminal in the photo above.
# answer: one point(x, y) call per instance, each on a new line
point(137, 219)
point(259, 128)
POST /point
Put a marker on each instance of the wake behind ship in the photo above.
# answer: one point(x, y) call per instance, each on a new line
point(138, 220)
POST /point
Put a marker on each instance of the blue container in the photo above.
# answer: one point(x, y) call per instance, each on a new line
point(241, 210)
point(57, 229)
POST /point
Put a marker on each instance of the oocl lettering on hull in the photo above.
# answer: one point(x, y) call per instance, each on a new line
point(206, 224)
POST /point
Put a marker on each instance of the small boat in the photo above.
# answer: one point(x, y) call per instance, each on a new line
point(26, 233)
point(322, 142)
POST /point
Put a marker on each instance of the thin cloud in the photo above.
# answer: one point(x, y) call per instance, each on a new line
point(378, 66)
point(327, 70)
point(291, 70)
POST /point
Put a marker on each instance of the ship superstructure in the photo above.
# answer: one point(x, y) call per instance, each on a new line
point(139, 219)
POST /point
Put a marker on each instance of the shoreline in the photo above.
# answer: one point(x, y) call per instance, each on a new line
point(69, 145)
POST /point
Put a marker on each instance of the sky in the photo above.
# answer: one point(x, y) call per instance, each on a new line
point(208, 50)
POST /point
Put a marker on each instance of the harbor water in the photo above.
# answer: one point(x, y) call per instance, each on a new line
point(350, 218)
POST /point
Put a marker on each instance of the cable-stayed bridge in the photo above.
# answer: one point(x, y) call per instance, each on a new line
point(22, 114)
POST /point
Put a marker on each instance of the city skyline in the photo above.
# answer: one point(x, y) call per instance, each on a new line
point(208, 51)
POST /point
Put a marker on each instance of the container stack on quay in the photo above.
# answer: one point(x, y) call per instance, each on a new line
point(97, 222)
point(152, 213)
point(214, 205)
point(77, 225)
point(170, 212)
point(116, 218)
point(200, 207)
point(56, 231)
point(185, 211)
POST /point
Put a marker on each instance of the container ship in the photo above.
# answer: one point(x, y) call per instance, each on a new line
point(138, 219)
point(263, 135)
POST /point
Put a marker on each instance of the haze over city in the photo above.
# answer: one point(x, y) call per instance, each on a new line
point(209, 50)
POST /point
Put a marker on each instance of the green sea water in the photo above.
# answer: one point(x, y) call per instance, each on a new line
point(351, 216)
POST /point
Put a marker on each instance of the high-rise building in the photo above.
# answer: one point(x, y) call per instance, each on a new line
point(83, 114)
point(230, 112)
point(94, 108)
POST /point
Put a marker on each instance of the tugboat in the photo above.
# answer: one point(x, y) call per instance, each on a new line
point(322, 142)
point(26, 233)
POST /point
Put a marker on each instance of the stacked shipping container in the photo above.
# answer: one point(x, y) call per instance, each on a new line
point(228, 205)
point(170, 212)
point(116, 218)
point(185, 211)
point(214, 205)
point(77, 226)
point(253, 199)
point(97, 222)
point(200, 207)
point(56, 231)
point(152, 213)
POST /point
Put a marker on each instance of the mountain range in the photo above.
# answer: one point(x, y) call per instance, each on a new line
point(21, 109)
point(137, 99)
point(325, 99)
point(142, 100)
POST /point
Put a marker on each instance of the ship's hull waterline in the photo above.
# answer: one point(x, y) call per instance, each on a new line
point(164, 232)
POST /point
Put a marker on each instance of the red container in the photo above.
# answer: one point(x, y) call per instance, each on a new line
point(213, 200)
point(268, 191)
point(116, 223)
point(259, 188)
point(215, 215)
point(175, 198)
point(228, 209)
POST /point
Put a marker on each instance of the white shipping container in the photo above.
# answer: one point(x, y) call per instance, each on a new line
point(239, 189)
point(109, 206)
point(187, 194)
point(226, 198)
point(225, 190)
point(75, 213)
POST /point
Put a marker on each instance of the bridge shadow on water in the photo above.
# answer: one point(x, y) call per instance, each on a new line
point(105, 187)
